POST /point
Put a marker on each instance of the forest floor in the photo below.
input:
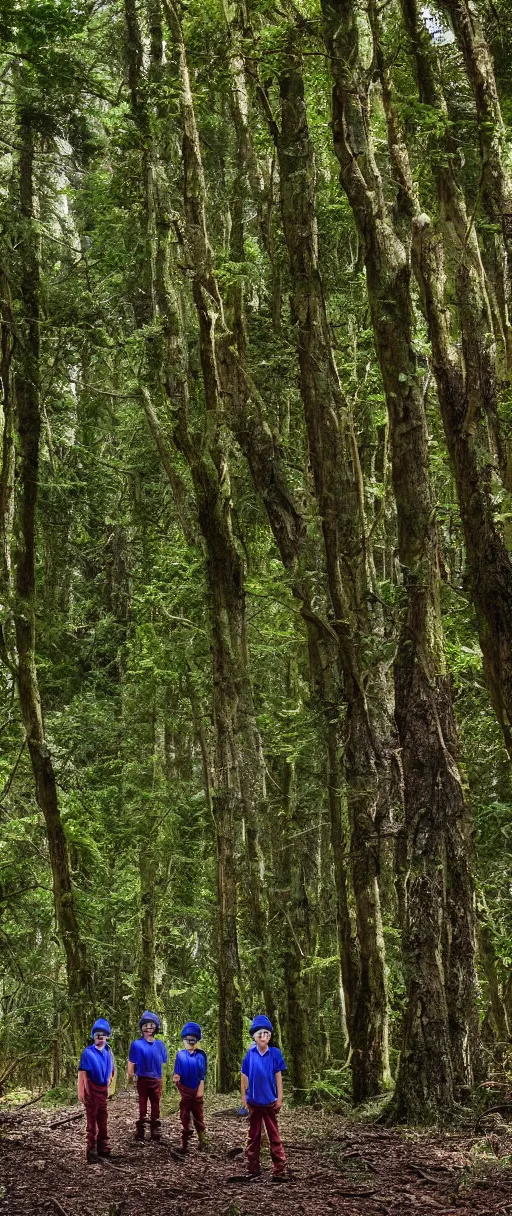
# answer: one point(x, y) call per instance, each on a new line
point(335, 1165)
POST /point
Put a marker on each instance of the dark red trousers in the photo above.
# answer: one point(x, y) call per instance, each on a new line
point(149, 1088)
point(259, 1115)
point(190, 1105)
point(97, 1114)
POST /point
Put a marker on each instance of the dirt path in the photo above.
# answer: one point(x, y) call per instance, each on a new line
point(335, 1166)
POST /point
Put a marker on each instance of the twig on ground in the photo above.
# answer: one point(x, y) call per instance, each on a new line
point(69, 1119)
point(110, 1164)
point(417, 1169)
point(13, 1113)
point(355, 1194)
point(58, 1207)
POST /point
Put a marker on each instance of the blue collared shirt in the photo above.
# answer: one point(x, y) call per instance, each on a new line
point(149, 1058)
point(261, 1073)
point(191, 1066)
point(99, 1065)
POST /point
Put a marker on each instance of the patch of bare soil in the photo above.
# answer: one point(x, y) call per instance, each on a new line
point(335, 1165)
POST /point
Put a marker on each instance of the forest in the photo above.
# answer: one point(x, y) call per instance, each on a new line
point(255, 534)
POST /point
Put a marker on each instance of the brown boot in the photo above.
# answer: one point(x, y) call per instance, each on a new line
point(140, 1129)
point(156, 1129)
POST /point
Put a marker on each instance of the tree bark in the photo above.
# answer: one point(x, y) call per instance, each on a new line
point(294, 937)
point(239, 788)
point(28, 424)
point(8, 452)
point(338, 484)
point(466, 389)
point(434, 800)
point(496, 184)
point(167, 369)
point(247, 419)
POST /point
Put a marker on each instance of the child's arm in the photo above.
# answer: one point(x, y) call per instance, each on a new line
point(82, 1084)
point(131, 1071)
point(279, 1083)
point(176, 1076)
point(244, 1081)
point(200, 1090)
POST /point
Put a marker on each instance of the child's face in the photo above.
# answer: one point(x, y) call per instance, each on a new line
point(262, 1039)
point(148, 1030)
point(100, 1039)
point(190, 1042)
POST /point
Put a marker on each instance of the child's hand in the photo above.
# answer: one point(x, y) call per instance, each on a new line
point(176, 1077)
point(278, 1104)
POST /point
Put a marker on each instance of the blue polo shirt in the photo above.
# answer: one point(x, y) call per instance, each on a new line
point(261, 1070)
point(149, 1058)
point(99, 1065)
point(191, 1066)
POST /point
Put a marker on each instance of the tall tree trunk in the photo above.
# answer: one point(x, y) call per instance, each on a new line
point(496, 183)
point(488, 960)
point(148, 867)
point(466, 388)
point(292, 881)
point(28, 422)
point(223, 564)
point(434, 801)
point(8, 453)
point(365, 987)
point(471, 294)
point(338, 484)
point(239, 792)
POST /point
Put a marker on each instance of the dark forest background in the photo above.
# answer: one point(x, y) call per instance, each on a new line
point(255, 522)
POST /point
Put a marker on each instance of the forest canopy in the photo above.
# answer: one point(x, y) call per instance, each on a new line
point(255, 530)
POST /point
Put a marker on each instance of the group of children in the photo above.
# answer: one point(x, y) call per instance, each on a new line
point(261, 1087)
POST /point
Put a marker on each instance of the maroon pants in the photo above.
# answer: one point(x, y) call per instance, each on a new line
point(96, 1110)
point(149, 1087)
point(190, 1104)
point(259, 1115)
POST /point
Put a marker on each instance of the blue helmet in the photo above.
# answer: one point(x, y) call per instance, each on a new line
point(260, 1022)
point(101, 1024)
point(147, 1016)
point(191, 1028)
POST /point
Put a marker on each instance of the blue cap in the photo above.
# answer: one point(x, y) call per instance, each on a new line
point(101, 1024)
point(147, 1016)
point(191, 1028)
point(260, 1022)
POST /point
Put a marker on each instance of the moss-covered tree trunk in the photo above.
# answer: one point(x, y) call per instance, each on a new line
point(447, 263)
point(495, 189)
point(7, 465)
point(434, 800)
point(338, 484)
point(28, 428)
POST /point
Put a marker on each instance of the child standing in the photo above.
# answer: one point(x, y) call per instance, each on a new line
point(146, 1059)
point(95, 1072)
point(262, 1091)
point(189, 1073)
